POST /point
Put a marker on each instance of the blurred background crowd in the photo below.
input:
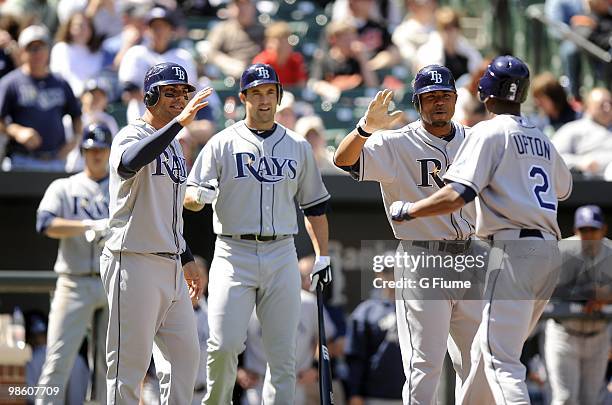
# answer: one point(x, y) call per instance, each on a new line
point(67, 63)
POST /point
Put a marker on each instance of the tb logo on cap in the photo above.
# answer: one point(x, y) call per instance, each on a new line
point(263, 72)
point(436, 77)
point(178, 72)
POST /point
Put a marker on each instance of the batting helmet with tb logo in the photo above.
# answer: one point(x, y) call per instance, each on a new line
point(258, 74)
point(163, 74)
point(432, 78)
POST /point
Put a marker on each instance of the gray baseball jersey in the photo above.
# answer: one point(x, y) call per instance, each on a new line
point(142, 217)
point(76, 197)
point(517, 174)
point(409, 164)
point(270, 171)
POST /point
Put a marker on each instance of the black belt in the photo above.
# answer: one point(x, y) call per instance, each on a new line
point(199, 389)
point(92, 274)
point(453, 246)
point(258, 238)
point(171, 256)
point(531, 233)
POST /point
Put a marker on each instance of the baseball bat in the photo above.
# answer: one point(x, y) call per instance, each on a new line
point(325, 378)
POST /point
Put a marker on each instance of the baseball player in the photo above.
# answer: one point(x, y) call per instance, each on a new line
point(71, 210)
point(259, 167)
point(409, 164)
point(146, 261)
point(575, 349)
point(518, 177)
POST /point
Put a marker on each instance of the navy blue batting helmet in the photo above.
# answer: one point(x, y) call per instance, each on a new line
point(432, 78)
point(506, 78)
point(163, 74)
point(258, 74)
point(96, 136)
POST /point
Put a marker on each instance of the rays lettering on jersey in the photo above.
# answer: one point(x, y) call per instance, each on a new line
point(174, 166)
point(427, 172)
point(267, 169)
point(83, 207)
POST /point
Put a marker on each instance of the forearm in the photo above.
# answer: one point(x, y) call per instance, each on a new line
point(444, 201)
point(190, 199)
point(349, 150)
point(60, 228)
point(318, 230)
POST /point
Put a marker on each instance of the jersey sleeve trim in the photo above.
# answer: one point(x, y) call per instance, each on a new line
point(465, 182)
point(43, 220)
point(315, 202)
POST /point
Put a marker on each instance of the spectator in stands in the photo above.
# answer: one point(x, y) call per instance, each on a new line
point(414, 31)
point(344, 66)
point(586, 144)
point(576, 349)
point(76, 55)
point(104, 13)
point(9, 57)
point(376, 40)
point(9, 50)
point(94, 101)
point(33, 103)
point(31, 12)
point(133, 17)
point(285, 112)
point(279, 53)
point(312, 129)
point(468, 109)
point(235, 42)
point(597, 28)
point(388, 12)
point(372, 349)
point(137, 60)
point(551, 100)
point(563, 12)
point(447, 46)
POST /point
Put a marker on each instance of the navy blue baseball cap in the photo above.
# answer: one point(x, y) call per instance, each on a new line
point(433, 78)
point(589, 216)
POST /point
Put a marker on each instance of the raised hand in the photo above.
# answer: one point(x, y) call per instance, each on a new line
point(194, 105)
point(377, 117)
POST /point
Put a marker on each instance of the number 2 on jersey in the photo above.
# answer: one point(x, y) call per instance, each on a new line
point(536, 172)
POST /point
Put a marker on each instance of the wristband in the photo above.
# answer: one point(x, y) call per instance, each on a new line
point(360, 130)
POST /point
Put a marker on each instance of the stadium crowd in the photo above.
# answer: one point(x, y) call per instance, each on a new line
point(65, 64)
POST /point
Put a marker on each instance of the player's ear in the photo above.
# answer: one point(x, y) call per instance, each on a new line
point(242, 97)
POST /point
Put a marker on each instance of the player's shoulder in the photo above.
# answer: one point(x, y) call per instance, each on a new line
point(294, 136)
point(134, 129)
point(226, 134)
point(388, 136)
point(60, 184)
